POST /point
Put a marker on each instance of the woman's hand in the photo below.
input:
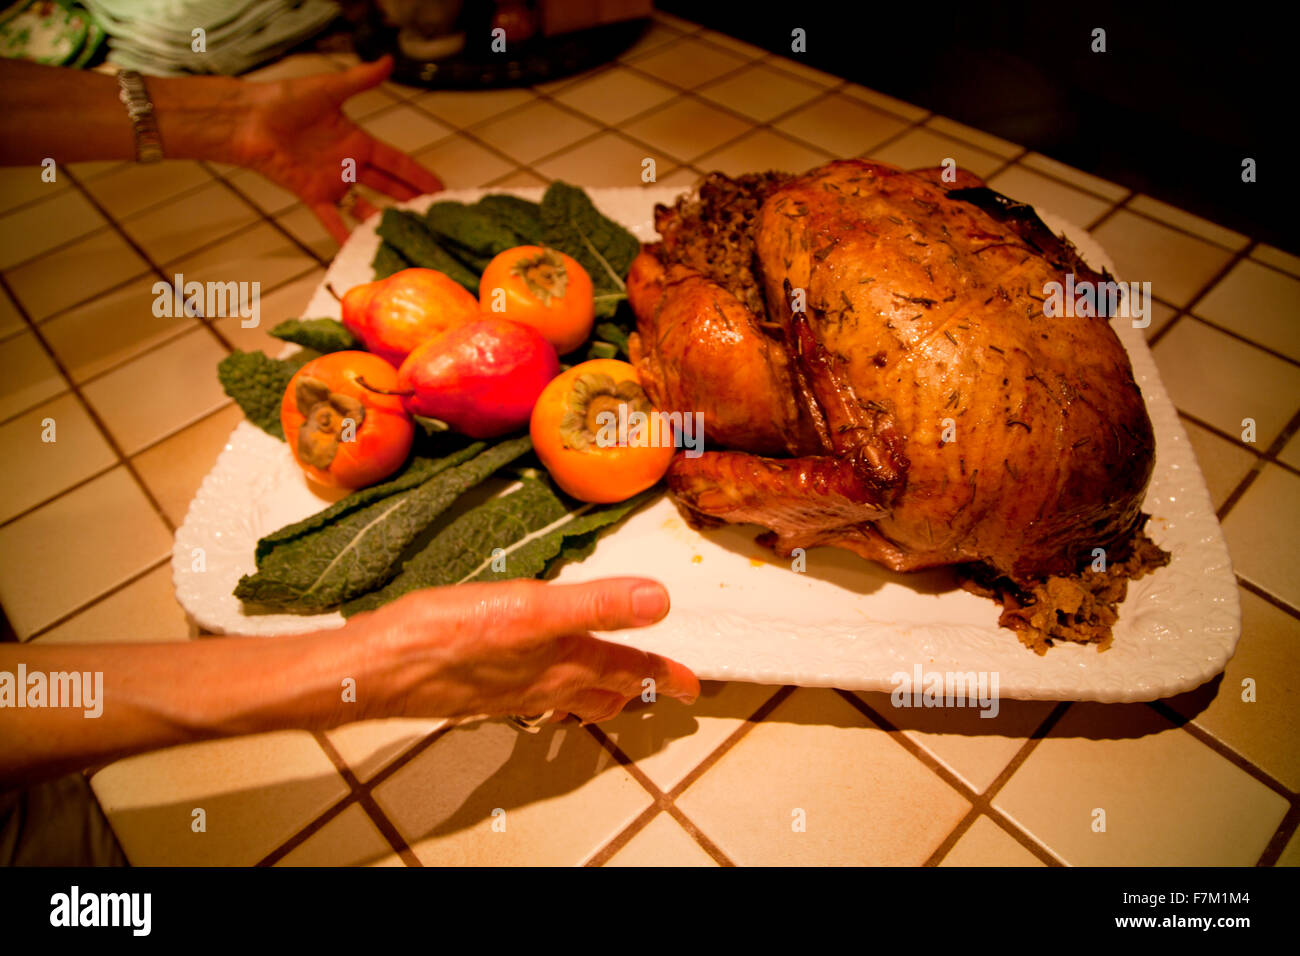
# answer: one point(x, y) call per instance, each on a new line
point(515, 647)
point(295, 134)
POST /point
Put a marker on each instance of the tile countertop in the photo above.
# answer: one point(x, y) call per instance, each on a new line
point(1199, 779)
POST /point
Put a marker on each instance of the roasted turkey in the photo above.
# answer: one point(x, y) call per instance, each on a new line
point(869, 351)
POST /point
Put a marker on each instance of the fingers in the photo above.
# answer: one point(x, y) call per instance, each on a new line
point(632, 672)
point(330, 218)
point(395, 164)
point(379, 180)
point(608, 604)
point(361, 77)
point(362, 208)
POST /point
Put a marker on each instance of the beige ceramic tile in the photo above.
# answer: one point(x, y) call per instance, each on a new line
point(179, 227)
point(111, 329)
point(1223, 381)
point(655, 38)
point(967, 134)
point(668, 740)
point(255, 792)
point(303, 225)
point(561, 797)
point(817, 763)
point(662, 842)
point(1259, 303)
point(689, 63)
point(137, 186)
point(173, 469)
point(1076, 177)
point(350, 839)
point(1168, 799)
point(684, 176)
point(885, 102)
point(1290, 453)
point(1291, 854)
point(1174, 216)
point(1261, 534)
point(20, 185)
point(469, 108)
point(288, 301)
point(607, 160)
point(100, 261)
point(987, 844)
point(686, 128)
point(534, 131)
point(1223, 464)
point(615, 95)
point(260, 192)
point(803, 71)
point(760, 92)
point(841, 125)
point(462, 164)
point(144, 611)
point(367, 103)
point(406, 128)
point(27, 376)
point(260, 254)
point(552, 87)
point(1177, 265)
point(41, 226)
point(160, 392)
point(368, 746)
point(973, 747)
point(1043, 193)
point(1266, 667)
point(519, 179)
point(1277, 258)
point(36, 469)
point(677, 23)
point(89, 170)
point(732, 45)
point(921, 148)
point(1161, 315)
point(11, 319)
point(65, 553)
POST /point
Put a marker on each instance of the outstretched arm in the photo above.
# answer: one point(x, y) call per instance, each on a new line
point(515, 647)
point(293, 131)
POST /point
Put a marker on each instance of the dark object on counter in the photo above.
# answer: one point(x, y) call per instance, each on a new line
point(539, 59)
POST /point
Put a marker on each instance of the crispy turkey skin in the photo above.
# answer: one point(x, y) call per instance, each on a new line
point(869, 350)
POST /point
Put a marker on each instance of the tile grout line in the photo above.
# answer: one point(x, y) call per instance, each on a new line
point(1263, 595)
point(1190, 304)
point(98, 599)
point(1231, 333)
point(980, 801)
point(1238, 760)
point(1270, 457)
point(1278, 843)
point(94, 416)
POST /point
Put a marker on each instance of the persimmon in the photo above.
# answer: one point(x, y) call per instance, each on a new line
point(341, 433)
point(543, 288)
point(594, 429)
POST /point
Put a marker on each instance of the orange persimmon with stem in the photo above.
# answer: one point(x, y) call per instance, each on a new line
point(342, 433)
point(543, 288)
point(592, 429)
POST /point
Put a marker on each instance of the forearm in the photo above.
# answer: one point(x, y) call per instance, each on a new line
point(160, 695)
point(75, 115)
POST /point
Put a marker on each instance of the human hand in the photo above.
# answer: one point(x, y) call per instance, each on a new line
point(515, 647)
point(294, 133)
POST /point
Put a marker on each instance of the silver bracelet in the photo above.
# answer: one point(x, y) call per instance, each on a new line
point(148, 144)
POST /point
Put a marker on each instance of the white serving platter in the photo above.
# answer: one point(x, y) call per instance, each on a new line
point(740, 613)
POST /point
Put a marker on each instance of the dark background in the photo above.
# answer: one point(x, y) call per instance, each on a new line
point(1179, 98)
